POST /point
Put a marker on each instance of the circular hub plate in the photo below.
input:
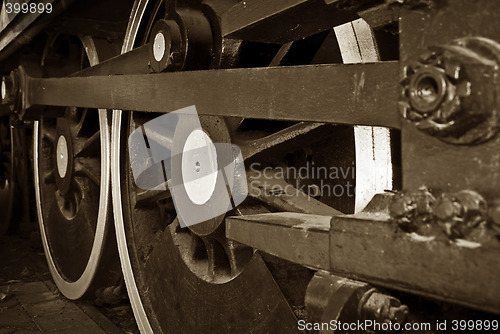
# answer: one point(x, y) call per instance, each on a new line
point(199, 167)
point(159, 46)
point(62, 156)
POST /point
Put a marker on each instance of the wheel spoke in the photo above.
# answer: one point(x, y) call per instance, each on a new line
point(273, 190)
point(49, 177)
point(86, 169)
point(146, 198)
point(70, 202)
point(50, 135)
point(210, 247)
point(91, 147)
point(79, 125)
point(250, 148)
point(85, 125)
point(283, 51)
point(237, 254)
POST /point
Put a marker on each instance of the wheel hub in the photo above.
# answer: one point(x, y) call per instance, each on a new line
point(63, 151)
point(62, 156)
point(4, 90)
point(159, 46)
point(199, 167)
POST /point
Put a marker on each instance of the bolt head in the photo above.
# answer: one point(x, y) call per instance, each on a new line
point(398, 314)
point(427, 89)
point(401, 206)
point(445, 209)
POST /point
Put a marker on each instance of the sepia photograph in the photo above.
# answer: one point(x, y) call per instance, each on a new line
point(249, 166)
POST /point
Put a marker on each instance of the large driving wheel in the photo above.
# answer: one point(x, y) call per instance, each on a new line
point(72, 181)
point(193, 279)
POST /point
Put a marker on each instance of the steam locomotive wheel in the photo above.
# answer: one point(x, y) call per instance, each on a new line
point(193, 279)
point(178, 279)
point(71, 165)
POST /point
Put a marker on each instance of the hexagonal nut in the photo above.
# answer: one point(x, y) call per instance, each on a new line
point(398, 314)
point(450, 88)
point(446, 208)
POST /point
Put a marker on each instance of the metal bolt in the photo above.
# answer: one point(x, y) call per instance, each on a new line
point(383, 308)
point(447, 208)
point(427, 89)
point(402, 207)
point(447, 91)
point(465, 202)
point(462, 213)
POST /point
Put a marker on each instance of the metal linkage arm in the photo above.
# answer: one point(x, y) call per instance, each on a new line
point(364, 94)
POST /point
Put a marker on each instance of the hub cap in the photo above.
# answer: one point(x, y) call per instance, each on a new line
point(159, 46)
point(62, 156)
point(199, 167)
point(4, 90)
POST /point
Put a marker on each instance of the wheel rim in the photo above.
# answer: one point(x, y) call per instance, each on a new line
point(125, 206)
point(72, 192)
